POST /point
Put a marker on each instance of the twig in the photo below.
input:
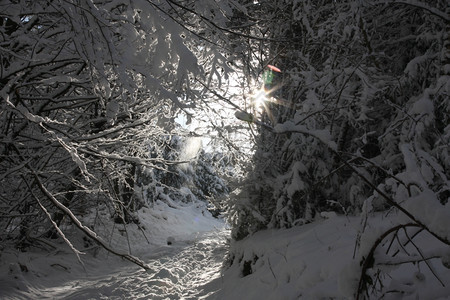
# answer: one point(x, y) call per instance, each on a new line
point(19, 215)
point(389, 200)
point(400, 243)
point(369, 259)
point(271, 270)
point(406, 261)
point(424, 259)
point(407, 242)
point(86, 230)
point(417, 4)
point(66, 240)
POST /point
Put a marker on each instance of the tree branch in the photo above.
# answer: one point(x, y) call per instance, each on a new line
point(417, 4)
point(369, 259)
point(332, 148)
point(91, 234)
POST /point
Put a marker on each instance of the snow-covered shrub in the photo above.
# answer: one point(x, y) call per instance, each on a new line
point(360, 124)
point(188, 179)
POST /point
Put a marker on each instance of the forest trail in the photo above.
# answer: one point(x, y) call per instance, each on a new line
point(188, 269)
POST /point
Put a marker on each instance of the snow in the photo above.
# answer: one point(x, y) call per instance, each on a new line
point(435, 215)
point(292, 263)
point(316, 261)
point(183, 269)
point(244, 116)
point(188, 248)
point(323, 135)
point(191, 149)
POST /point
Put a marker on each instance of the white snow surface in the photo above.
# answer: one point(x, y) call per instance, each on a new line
point(317, 261)
point(182, 270)
point(312, 261)
point(303, 262)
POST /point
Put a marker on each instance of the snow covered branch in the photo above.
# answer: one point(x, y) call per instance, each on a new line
point(418, 4)
point(86, 230)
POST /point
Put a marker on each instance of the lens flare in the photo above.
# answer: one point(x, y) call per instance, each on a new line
point(260, 98)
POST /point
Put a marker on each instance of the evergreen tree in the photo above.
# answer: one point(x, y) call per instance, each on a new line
point(359, 122)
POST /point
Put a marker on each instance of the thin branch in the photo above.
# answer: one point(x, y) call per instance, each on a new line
point(66, 240)
point(368, 260)
point(407, 261)
point(332, 148)
point(393, 203)
point(132, 159)
point(407, 242)
point(424, 259)
point(417, 4)
point(19, 215)
point(223, 29)
point(91, 234)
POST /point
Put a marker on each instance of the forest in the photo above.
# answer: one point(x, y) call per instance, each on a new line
point(270, 113)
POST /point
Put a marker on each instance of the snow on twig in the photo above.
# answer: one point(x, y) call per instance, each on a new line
point(322, 135)
point(369, 259)
point(66, 240)
point(418, 4)
point(91, 234)
point(325, 137)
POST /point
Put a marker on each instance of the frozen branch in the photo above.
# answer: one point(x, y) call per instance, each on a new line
point(288, 128)
point(91, 234)
point(369, 259)
point(417, 4)
point(63, 236)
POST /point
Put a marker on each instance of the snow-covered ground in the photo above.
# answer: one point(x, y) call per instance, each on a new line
point(182, 270)
point(313, 261)
point(319, 261)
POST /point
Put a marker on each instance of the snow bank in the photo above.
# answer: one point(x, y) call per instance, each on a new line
point(303, 262)
point(320, 260)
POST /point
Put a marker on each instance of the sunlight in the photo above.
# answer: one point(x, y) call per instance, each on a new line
point(259, 99)
point(262, 96)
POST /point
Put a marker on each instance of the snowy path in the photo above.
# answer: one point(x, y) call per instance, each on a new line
point(185, 270)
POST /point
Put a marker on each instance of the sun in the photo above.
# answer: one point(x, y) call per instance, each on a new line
point(259, 99)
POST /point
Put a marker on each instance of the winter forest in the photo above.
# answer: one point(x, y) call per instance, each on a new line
point(224, 149)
